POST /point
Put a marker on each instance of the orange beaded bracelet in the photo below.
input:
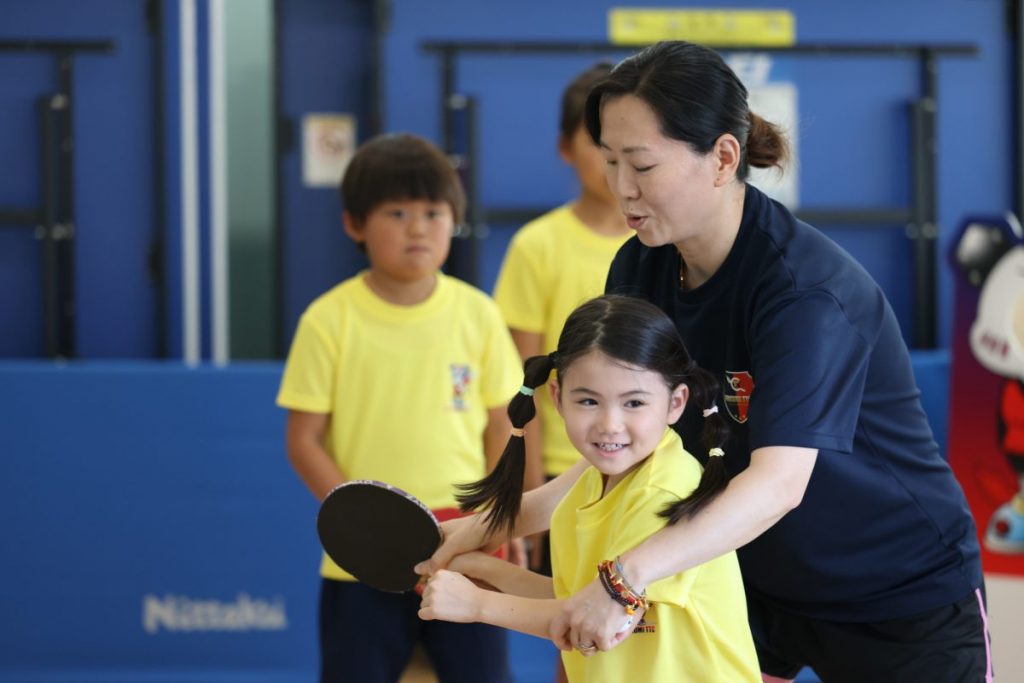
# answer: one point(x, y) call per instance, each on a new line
point(620, 591)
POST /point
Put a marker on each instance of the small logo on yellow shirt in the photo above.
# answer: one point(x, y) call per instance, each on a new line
point(462, 375)
point(645, 626)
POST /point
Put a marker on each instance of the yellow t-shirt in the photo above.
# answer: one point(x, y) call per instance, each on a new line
point(700, 615)
point(407, 387)
point(553, 264)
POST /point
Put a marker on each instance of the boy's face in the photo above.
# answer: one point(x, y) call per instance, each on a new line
point(406, 240)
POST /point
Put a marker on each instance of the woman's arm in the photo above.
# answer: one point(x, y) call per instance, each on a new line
point(506, 577)
point(452, 597)
point(470, 533)
point(305, 444)
point(754, 500)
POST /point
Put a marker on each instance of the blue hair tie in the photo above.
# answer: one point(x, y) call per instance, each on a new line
point(525, 390)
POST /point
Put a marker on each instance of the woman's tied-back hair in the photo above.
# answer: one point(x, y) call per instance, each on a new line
point(399, 167)
point(696, 97)
point(630, 331)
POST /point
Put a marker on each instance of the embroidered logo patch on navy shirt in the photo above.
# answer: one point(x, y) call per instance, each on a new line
point(738, 388)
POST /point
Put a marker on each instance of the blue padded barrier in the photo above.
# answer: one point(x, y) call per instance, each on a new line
point(154, 531)
point(931, 369)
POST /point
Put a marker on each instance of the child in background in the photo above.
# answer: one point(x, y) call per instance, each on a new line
point(553, 264)
point(399, 374)
point(623, 377)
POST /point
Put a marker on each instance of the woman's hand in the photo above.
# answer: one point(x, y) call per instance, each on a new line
point(450, 596)
point(590, 618)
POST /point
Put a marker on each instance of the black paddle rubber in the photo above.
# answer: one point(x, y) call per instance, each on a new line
point(377, 533)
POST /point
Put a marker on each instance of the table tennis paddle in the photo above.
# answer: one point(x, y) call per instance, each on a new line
point(377, 533)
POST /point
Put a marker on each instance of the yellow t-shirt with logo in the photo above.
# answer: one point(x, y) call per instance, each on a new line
point(700, 615)
point(407, 387)
point(553, 264)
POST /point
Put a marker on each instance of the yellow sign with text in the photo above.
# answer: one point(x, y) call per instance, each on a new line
point(760, 28)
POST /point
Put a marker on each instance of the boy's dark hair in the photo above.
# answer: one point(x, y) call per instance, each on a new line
point(630, 331)
point(397, 167)
point(574, 97)
point(696, 97)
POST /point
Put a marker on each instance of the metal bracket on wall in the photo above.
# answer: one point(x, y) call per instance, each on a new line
point(53, 222)
point(919, 220)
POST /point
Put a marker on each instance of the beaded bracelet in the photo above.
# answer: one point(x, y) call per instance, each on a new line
point(610, 589)
point(622, 575)
point(620, 591)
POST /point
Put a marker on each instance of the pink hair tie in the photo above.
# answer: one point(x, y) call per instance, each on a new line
point(710, 411)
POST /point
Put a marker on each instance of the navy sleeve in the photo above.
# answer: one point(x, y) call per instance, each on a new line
point(809, 365)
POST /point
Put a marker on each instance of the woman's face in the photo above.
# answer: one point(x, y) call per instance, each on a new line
point(666, 190)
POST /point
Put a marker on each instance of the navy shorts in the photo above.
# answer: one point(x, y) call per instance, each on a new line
point(949, 643)
point(368, 636)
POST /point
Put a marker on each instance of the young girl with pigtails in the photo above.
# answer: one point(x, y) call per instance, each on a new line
point(622, 379)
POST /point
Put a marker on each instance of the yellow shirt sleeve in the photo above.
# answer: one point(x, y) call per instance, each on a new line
point(307, 384)
point(502, 369)
point(522, 290)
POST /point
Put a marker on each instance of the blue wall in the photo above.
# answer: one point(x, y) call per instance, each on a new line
point(325, 48)
point(113, 165)
point(854, 144)
point(854, 132)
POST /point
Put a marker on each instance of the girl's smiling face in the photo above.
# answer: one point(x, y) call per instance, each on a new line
point(615, 414)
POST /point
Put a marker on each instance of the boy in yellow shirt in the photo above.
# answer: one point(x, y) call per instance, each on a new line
point(399, 374)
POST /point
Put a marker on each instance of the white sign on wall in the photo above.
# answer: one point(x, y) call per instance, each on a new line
point(328, 143)
point(774, 101)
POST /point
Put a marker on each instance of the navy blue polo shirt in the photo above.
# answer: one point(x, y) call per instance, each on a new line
point(809, 354)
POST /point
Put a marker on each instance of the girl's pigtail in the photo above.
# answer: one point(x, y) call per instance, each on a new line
point(704, 392)
point(501, 491)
